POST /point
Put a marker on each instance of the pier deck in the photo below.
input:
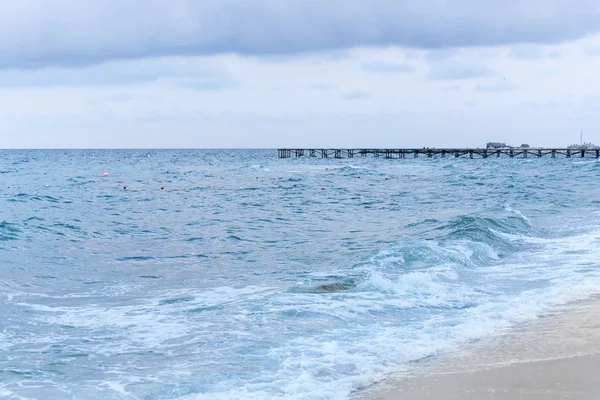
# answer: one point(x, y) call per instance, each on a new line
point(448, 152)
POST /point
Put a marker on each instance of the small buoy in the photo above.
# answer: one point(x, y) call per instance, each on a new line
point(359, 177)
point(124, 187)
point(322, 188)
point(386, 179)
point(105, 175)
point(326, 169)
point(257, 177)
point(162, 188)
point(9, 187)
point(46, 185)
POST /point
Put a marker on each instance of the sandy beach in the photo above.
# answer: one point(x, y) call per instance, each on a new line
point(555, 357)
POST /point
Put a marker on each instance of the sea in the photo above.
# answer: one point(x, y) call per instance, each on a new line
point(233, 274)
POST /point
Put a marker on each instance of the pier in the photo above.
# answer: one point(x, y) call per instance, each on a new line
point(448, 152)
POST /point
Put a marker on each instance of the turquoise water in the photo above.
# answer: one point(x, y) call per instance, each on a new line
point(242, 279)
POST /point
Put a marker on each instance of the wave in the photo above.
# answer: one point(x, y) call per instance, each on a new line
point(9, 231)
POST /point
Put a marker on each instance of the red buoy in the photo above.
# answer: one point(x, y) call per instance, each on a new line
point(105, 175)
point(322, 188)
point(124, 187)
point(162, 188)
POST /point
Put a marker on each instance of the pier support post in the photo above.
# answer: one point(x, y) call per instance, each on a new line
point(568, 153)
point(553, 153)
point(582, 153)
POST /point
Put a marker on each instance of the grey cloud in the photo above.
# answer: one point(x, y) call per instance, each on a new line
point(441, 54)
point(458, 68)
point(528, 51)
point(122, 73)
point(75, 33)
point(209, 83)
point(452, 88)
point(355, 95)
point(501, 85)
point(592, 51)
point(387, 67)
point(322, 86)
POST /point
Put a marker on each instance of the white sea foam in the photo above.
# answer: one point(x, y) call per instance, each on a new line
point(332, 369)
point(517, 212)
point(327, 345)
point(334, 365)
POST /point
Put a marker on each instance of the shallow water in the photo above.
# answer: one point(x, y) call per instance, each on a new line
point(242, 279)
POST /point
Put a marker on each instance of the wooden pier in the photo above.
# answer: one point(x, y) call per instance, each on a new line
point(430, 153)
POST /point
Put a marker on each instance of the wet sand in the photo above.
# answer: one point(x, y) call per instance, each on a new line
point(555, 357)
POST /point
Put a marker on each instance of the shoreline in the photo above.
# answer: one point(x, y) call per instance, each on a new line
point(554, 357)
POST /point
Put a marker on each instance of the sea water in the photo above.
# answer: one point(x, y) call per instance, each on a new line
point(253, 277)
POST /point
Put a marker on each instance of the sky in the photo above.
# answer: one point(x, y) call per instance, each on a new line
point(298, 73)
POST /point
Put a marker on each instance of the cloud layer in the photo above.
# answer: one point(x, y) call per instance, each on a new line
point(463, 97)
point(73, 33)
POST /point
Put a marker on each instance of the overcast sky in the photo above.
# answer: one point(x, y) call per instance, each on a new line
point(301, 73)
